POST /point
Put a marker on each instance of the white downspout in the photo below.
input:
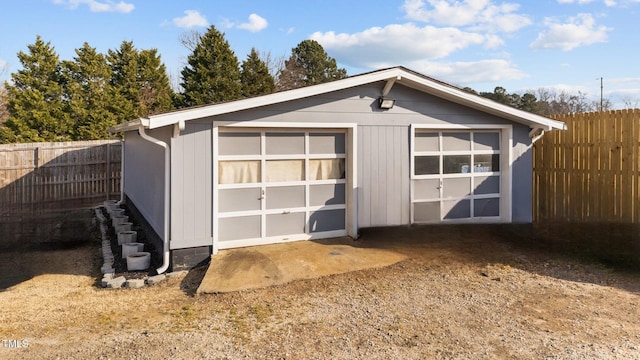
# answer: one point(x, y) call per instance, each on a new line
point(121, 168)
point(167, 172)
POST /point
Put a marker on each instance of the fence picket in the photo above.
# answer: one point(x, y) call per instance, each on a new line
point(590, 172)
point(38, 176)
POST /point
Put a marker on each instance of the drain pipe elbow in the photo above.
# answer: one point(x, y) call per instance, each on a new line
point(167, 163)
point(535, 134)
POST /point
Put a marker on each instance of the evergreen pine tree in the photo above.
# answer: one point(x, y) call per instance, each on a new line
point(255, 77)
point(308, 65)
point(141, 78)
point(93, 103)
point(35, 99)
point(212, 73)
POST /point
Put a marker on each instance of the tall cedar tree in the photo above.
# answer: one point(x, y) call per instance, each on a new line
point(255, 77)
point(141, 78)
point(213, 72)
point(93, 103)
point(308, 65)
point(35, 100)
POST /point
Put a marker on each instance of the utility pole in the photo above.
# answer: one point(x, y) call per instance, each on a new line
point(601, 93)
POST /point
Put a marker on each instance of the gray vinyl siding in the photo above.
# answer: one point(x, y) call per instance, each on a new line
point(522, 178)
point(144, 176)
point(191, 187)
point(383, 175)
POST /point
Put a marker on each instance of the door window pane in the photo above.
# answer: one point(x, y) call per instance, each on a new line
point(425, 141)
point(427, 165)
point(456, 187)
point(486, 185)
point(238, 172)
point(426, 211)
point(486, 163)
point(426, 189)
point(456, 209)
point(486, 207)
point(284, 170)
point(486, 141)
point(456, 141)
point(285, 197)
point(456, 164)
point(326, 169)
point(239, 143)
point(329, 143)
point(284, 143)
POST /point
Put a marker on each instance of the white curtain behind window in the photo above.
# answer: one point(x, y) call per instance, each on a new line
point(238, 172)
point(326, 169)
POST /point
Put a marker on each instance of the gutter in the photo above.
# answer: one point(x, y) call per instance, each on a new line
point(167, 172)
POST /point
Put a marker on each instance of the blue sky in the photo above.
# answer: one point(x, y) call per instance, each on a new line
point(517, 44)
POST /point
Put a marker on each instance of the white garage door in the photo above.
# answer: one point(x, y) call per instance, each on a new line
point(456, 176)
point(280, 185)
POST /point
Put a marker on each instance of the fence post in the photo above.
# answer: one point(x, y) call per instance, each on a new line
point(108, 175)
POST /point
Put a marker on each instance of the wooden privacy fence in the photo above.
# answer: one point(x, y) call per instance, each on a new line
point(36, 177)
point(589, 172)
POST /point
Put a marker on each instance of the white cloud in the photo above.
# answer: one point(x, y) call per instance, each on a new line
point(578, 31)
point(191, 18)
point(97, 6)
point(476, 14)
point(256, 23)
point(397, 43)
point(469, 72)
point(575, 1)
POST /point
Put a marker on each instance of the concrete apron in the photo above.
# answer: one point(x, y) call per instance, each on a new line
point(267, 265)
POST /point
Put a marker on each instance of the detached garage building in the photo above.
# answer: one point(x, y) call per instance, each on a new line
point(389, 147)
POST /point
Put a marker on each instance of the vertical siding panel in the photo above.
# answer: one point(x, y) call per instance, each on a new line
point(405, 176)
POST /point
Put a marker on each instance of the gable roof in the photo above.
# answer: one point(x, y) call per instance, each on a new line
point(395, 75)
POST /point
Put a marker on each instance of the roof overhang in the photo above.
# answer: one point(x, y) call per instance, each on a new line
point(392, 76)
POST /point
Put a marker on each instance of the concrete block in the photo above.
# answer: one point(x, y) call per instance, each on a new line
point(134, 283)
point(108, 276)
point(107, 268)
point(156, 279)
point(116, 283)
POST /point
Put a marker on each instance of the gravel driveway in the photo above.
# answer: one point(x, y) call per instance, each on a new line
point(463, 292)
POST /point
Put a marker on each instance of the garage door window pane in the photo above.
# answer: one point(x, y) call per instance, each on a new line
point(284, 170)
point(238, 172)
point(456, 164)
point(486, 141)
point(329, 143)
point(427, 142)
point(456, 209)
point(326, 169)
point(486, 185)
point(284, 143)
point(426, 211)
point(239, 143)
point(427, 165)
point(486, 163)
point(486, 207)
point(456, 141)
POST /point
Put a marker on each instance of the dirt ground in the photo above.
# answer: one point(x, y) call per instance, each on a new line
point(464, 292)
